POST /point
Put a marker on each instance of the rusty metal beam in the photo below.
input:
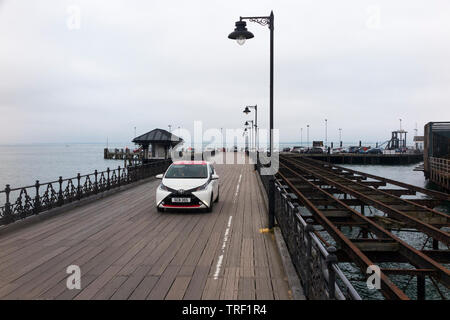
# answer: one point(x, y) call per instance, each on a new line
point(388, 287)
point(417, 223)
point(412, 254)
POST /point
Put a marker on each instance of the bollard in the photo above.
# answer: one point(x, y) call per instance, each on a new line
point(118, 177)
point(331, 260)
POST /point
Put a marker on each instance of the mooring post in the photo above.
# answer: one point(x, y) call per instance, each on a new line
point(331, 260)
point(8, 214)
point(37, 201)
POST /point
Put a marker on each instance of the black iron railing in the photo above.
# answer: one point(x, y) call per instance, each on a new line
point(19, 203)
point(316, 265)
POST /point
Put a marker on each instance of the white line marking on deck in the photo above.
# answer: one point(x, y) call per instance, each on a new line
point(237, 189)
point(226, 235)
point(224, 245)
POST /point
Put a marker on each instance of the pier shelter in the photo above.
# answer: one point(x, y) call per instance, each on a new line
point(156, 144)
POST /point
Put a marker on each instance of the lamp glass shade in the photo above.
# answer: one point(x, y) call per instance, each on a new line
point(240, 40)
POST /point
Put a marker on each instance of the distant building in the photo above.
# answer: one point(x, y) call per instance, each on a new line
point(317, 144)
point(398, 140)
point(156, 144)
point(436, 153)
point(418, 142)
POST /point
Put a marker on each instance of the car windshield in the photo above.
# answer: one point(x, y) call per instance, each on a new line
point(187, 171)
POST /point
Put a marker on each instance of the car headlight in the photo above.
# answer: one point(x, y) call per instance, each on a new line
point(163, 187)
point(202, 187)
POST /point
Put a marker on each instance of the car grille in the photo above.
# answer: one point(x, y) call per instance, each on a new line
point(194, 200)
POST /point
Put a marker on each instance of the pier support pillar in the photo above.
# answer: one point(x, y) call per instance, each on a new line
point(420, 287)
point(435, 244)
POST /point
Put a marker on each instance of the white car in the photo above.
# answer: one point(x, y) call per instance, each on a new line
point(188, 185)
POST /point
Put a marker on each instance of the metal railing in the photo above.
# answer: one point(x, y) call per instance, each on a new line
point(440, 171)
point(316, 265)
point(23, 202)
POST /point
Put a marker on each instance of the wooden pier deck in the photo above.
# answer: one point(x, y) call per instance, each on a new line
point(127, 250)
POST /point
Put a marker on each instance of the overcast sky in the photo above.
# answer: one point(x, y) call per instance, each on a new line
point(360, 64)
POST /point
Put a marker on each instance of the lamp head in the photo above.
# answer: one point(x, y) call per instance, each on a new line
point(240, 33)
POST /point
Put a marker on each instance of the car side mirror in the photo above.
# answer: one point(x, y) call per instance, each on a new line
point(214, 177)
point(159, 176)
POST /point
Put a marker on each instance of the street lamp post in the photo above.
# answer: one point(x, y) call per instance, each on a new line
point(301, 137)
point(307, 135)
point(340, 137)
point(326, 133)
point(240, 34)
point(247, 111)
point(252, 135)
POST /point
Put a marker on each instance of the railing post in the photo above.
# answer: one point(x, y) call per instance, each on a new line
point(37, 200)
point(79, 186)
point(60, 193)
point(308, 229)
point(118, 176)
point(96, 181)
point(8, 218)
point(331, 260)
point(107, 180)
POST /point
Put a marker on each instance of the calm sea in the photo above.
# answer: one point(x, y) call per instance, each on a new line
point(22, 165)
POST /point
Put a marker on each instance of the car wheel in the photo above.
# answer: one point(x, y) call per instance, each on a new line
point(159, 209)
point(211, 206)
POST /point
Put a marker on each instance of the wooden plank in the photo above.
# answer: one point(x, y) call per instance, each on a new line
point(128, 250)
point(178, 288)
point(144, 288)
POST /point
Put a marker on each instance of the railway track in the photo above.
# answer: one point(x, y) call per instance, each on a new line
point(330, 194)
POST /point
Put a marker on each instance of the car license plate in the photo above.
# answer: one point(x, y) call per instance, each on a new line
point(181, 200)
